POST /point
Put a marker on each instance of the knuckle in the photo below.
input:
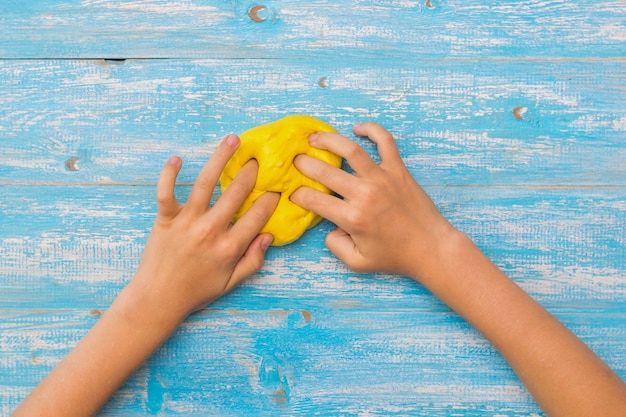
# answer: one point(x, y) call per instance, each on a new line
point(368, 198)
point(268, 203)
point(358, 265)
point(381, 135)
point(203, 183)
point(325, 173)
point(163, 197)
point(357, 219)
point(353, 150)
point(229, 249)
point(222, 153)
point(368, 195)
point(259, 216)
point(257, 262)
point(238, 191)
point(385, 137)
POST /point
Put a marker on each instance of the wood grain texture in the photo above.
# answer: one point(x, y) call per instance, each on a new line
point(454, 121)
point(510, 113)
point(318, 28)
point(341, 361)
point(80, 244)
point(305, 336)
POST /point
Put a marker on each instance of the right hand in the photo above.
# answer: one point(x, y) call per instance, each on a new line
point(386, 222)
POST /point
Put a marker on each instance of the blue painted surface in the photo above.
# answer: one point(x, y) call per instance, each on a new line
point(511, 115)
point(313, 28)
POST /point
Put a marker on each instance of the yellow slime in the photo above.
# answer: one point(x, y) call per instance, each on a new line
point(274, 146)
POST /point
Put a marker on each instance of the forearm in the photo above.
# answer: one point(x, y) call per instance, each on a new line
point(387, 223)
point(192, 257)
point(562, 373)
point(134, 326)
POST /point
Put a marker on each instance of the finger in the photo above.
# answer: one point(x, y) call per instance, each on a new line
point(249, 225)
point(343, 247)
point(384, 141)
point(205, 183)
point(352, 152)
point(236, 193)
point(334, 178)
point(327, 206)
point(167, 205)
point(251, 261)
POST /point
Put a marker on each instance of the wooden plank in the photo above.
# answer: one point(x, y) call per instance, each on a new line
point(78, 246)
point(457, 122)
point(306, 336)
point(322, 28)
point(339, 361)
point(511, 114)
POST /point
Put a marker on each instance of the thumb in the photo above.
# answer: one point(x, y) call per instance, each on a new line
point(251, 261)
point(343, 247)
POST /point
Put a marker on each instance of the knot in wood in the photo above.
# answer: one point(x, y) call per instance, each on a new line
point(257, 14)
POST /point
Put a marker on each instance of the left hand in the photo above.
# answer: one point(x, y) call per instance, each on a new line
point(194, 254)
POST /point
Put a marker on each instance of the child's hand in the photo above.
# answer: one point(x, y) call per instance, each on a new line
point(194, 254)
point(386, 222)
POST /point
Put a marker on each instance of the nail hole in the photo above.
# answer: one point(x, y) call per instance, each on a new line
point(257, 13)
point(95, 313)
point(429, 3)
point(323, 82)
point(519, 111)
point(306, 315)
point(72, 164)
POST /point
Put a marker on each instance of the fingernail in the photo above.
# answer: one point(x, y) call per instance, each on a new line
point(232, 140)
point(266, 241)
point(356, 125)
point(313, 137)
point(174, 160)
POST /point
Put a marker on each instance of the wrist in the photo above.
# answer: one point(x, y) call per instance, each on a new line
point(147, 306)
point(130, 330)
point(438, 262)
point(464, 278)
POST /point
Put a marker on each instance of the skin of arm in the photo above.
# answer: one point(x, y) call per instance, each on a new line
point(387, 223)
point(192, 257)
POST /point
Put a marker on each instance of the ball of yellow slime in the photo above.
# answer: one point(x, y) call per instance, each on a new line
point(274, 146)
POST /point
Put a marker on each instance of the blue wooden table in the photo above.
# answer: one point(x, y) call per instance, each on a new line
point(511, 114)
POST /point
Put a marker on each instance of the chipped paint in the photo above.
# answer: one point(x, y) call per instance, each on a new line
point(508, 113)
